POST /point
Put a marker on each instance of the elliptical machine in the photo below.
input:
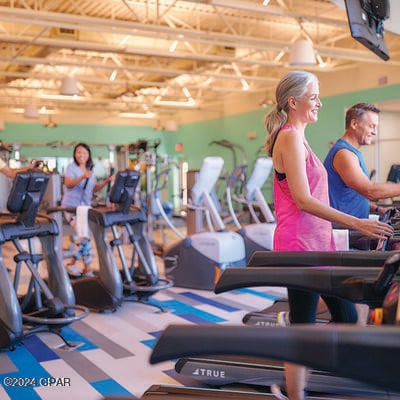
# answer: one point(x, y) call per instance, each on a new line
point(111, 286)
point(42, 306)
point(137, 283)
point(197, 261)
point(103, 292)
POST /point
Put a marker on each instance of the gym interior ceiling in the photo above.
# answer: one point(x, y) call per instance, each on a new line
point(162, 60)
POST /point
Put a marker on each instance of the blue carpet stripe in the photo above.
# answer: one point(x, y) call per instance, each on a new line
point(28, 367)
point(202, 318)
point(28, 359)
point(109, 387)
point(211, 302)
point(39, 350)
point(26, 363)
point(155, 334)
point(150, 343)
point(177, 296)
point(23, 393)
point(190, 313)
point(240, 303)
point(263, 295)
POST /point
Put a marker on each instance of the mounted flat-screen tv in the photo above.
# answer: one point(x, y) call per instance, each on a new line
point(366, 19)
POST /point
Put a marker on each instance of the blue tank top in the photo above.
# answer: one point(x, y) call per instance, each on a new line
point(341, 196)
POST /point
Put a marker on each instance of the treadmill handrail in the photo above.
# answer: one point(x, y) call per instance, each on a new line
point(319, 258)
point(358, 284)
point(354, 284)
point(351, 351)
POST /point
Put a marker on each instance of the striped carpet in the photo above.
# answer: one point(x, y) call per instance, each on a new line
point(111, 350)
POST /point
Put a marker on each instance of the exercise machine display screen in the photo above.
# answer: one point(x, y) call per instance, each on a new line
point(26, 194)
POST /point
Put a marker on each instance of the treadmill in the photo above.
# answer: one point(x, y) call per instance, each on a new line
point(156, 392)
point(268, 316)
point(367, 285)
point(339, 349)
point(333, 344)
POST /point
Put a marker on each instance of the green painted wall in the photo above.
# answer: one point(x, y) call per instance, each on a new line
point(65, 136)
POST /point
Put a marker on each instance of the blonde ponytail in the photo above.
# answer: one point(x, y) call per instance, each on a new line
point(294, 84)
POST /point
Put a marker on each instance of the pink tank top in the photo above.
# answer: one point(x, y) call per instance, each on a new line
point(298, 230)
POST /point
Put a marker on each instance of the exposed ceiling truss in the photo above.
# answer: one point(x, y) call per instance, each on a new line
point(162, 57)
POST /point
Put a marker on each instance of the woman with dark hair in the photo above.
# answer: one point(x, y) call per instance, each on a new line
point(79, 185)
point(303, 215)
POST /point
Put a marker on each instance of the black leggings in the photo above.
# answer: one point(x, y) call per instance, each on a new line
point(303, 307)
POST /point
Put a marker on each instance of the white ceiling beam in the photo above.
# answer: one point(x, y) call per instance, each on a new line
point(160, 71)
point(135, 50)
point(325, 51)
point(271, 10)
point(51, 19)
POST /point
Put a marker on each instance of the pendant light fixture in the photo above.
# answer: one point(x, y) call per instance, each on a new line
point(31, 111)
point(302, 53)
point(69, 86)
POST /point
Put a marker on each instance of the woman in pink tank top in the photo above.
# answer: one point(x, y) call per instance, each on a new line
point(312, 232)
point(303, 214)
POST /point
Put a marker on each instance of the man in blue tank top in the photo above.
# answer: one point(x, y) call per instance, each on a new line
point(350, 189)
point(341, 196)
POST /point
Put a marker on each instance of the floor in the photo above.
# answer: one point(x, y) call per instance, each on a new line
point(111, 350)
point(108, 353)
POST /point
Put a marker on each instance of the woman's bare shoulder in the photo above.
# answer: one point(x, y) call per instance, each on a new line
point(289, 136)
